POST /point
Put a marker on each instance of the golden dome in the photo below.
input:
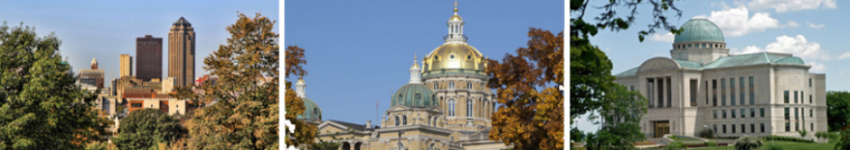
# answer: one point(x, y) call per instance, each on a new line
point(414, 66)
point(454, 57)
point(300, 81)
point(455, 18)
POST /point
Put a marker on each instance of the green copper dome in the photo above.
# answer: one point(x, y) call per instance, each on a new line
point(414, 95)
point(311, 110)
point(700, 30)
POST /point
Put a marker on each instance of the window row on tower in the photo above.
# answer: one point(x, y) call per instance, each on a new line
point(699, 45)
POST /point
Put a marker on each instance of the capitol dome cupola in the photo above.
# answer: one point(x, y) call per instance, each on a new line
point(414, 93)
point(700, 41)
point(311, 109)
point(455, 56)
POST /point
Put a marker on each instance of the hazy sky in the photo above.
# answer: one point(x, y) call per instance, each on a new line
point(360, 52)
point(106, 29)
point(814, 30)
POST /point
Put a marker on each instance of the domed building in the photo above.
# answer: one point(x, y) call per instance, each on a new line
point(445, 104)
point(312, 112)
point(703, 87)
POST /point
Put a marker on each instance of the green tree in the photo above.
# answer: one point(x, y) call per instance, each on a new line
point(803, 133)
point(590, 68)
point(243, 102)
point(531, 113)
point(843, 139)
point(42, 107)
point(838, 109)
point(619, 120)
point(748, 143)
point(146, 128)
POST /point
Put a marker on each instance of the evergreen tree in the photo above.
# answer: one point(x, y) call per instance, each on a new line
point(41, 106)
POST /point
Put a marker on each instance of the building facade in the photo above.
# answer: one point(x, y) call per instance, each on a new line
point(125, 65)
point(148, 58)
point(445, 104)
point(703, 87)
point(93, 76)
point(181, 52)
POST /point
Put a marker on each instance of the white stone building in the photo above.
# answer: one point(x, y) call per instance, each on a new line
point(703, 86)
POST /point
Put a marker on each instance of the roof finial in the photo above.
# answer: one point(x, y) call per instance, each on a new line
point(414, 55)
point(455, 6)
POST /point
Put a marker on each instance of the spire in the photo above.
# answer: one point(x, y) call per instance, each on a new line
point(455, 28)
point(414, 72)
point(300, 87)
point(94, 63)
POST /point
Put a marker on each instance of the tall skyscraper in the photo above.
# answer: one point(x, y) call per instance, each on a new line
point(181, 52)
point(126, 65)
point(148, 58)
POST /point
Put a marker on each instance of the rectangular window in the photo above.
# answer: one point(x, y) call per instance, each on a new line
point(723, 92)
point(724, 128)
point(810, 113)
point(724, 114)
point(714, 98)
point(752, 112)
point(787, 114)
point(810, 99)
point(136, 104)
point(787, 127)
point(752, 128)
point(741, 83)
point(693, 93)
point(742, 98)
point(762, 112)
point(812, 126)
point(732, 91)
point(733, 113)
point(706, 92)
point(752, 91)
point(743, 128)
point(715, 129)
point(762, 127)
point(714, 84)
point(786, 96)
point(810, 82)
point(743, 113)
point(796, 113)
point(802, 97)
point(797, 126)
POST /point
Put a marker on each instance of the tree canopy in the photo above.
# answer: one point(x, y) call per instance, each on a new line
point(304, 133)
point(838, 109)
point(42, 107)
point(147, 129)
point(242, 110)
point(531, 113)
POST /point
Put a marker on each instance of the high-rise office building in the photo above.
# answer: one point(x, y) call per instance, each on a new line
point(181, 52)
point(148, 58)
point(93, 76)
point(126, 65)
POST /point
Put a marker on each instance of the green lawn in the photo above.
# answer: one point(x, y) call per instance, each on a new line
point(784, 144)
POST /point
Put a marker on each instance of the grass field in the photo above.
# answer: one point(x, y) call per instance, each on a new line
point(784, 144)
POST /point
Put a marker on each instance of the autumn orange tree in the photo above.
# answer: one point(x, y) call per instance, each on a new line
point(242, 110)
point(303, 133)
point(531, 115)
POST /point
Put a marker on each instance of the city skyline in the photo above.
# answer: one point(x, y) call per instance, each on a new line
point(105, 30)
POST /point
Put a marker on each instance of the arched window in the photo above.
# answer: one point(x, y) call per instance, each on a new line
point(451, 107)
point(435, 85)
point(396, 121)
point(404, 120)
point(469, 85)
point(432, 146)
point(451, 85)
point(469, 108)
point(315, 111)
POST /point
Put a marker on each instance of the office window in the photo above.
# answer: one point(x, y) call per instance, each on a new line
point(724, 114)
point(762, 112)
point(714, 98)
point(723, 99)
point(743, 113)
point(733, 113)
point(786, 96)
point(810, 99)
point(706, 92)
point(714, 84)
point(762, 127)
point(810, 113)
point(797, 126)
point(810, 82)
point(732, 91)
point(741, 83)
point(787, 126)
point(802, 97)
point(752, 112)
point(724, 128)
point(787, 114)
point(752, 128)
point(752, 91)
point(743, 129)
point(715, 129)
point(723, 92)
point(795, 114)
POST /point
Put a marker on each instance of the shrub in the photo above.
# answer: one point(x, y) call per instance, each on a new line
point(785, 138)
point(706, 133)
point(803, 133)
point(771, 146)
point(748, 143)
point(712, 144)
point(675, 146)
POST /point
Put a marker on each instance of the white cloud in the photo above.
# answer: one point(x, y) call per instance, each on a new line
point(816, 26)
point(669, 37)
point(798, 46)
point(844, 56)
point(737, 21)
point(793, 24)
point(791, 5)
point(816, 67)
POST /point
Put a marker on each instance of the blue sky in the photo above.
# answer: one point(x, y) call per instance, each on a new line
point(360, 52)
point(815, 30)
point(106, 29)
